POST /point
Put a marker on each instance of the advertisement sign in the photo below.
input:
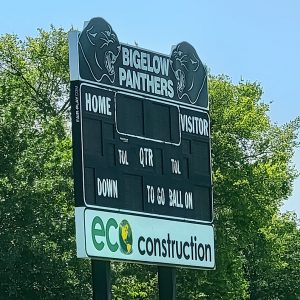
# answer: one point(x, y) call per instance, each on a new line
point(136, 238)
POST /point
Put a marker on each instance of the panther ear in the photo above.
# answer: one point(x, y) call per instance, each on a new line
point(171, 64)
point(195, 62)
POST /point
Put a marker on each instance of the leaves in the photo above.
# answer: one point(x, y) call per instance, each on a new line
point(37, 256)
point(257, 248)
point(252, 176)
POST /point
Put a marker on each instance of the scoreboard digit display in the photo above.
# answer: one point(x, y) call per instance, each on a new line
point(141, 146)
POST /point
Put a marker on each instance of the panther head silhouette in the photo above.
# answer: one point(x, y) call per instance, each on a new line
point(100, 49)
point(189, 72)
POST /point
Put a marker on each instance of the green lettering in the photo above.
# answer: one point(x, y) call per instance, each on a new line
point(97, 232)
point(111, 223)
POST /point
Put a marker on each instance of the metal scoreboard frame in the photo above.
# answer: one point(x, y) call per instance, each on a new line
point(141, 151)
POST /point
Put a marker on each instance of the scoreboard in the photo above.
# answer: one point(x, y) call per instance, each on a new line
point(144, 155)
point(141, 146)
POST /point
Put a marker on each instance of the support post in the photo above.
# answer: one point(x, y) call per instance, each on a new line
point(167, 283)
point(101, 279)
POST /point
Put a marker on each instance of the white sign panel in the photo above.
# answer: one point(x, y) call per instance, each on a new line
point(108, 235)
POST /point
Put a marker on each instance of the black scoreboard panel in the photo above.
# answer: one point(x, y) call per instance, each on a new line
point(144, 155)
point(152, 120)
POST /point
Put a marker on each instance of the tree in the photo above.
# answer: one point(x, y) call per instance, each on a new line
point(253, 174)
point(37, 254)
point(275, 272)
point(257, 248)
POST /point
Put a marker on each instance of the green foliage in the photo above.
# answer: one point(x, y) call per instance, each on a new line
point(274, 272)
point(252, 175)
point(37, 254)
point(257, 248)
point(132, 281)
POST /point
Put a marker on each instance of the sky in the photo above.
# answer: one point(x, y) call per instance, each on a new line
point(250, 40)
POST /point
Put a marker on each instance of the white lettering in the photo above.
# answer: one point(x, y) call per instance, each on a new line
point(150, 190)
point(150, 68)
point(143, 61)
point(156, 64)
point(161, 196)
point(128, 79)
point(97, 104)
point(123, 157)
point(146, 157)
point(145, 82)
point(125, 55)
point(164, 85)
point(170, 89)
point(175, 198)
point(136, 59)
point(193, 124)
point(164, 62)
point(188, 200)
point(150, 83)
point(107, 188)
point(88, 102)
point(175, 166)
point(122, 75)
